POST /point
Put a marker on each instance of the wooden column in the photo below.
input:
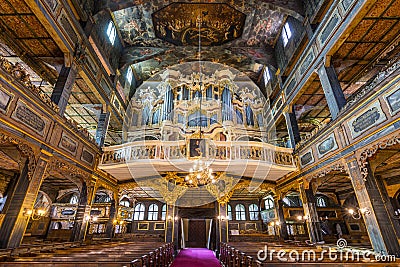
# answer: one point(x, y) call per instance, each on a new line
point(110, 228)
point(332, 89)
point(81, 222)
point(20, 200)
point(223, 222)
point(310, 211)
point(169, 223)
point(281, 217)
point(293, 128)
point(62, 89)
point(381, 231)
point(102, 127)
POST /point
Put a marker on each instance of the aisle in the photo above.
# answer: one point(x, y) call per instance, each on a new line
point(196, 257)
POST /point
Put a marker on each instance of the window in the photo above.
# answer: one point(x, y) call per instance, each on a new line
point(153, 213)
point(321, 202)
point(111, 32)
point(240, 212)
point(139, 212)
point(253, 212)
point(74, 199)
point(124, 203)
point(286, 34)
point(163, 212)
point(267, 76)
point(129, 75)
point(269, 203)
point(229, 212)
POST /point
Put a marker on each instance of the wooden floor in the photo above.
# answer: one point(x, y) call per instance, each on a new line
point(108, 254)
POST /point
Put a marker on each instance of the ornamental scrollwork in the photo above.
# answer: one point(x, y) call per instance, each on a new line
point(25, 150)
point(369, 152)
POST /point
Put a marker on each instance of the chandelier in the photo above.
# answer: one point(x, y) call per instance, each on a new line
point(200, 174)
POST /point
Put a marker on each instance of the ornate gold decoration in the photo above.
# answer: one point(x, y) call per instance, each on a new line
point(372, 150)
point(223, 189)
point(63, 169)
point(25, 150)
point(169, 191)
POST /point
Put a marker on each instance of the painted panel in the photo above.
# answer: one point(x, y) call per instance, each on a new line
point(371, 116)
point(393, 101)
point(327, 145)
point(87, 156)
point(306, 158)
point(24, 114)
point(5, 100)
point(68, 144)
point(327, 31)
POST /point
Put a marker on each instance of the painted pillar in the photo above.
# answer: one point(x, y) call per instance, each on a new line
point(222, 222)
point(110, 227)
point(310, 211)
point(281, 218)
point(62, 89)
point(169, 223)
point(22, 199)
point(293, 128)
point(83, 211)
point(102, 127)
point(332, 89)
point(381, 231)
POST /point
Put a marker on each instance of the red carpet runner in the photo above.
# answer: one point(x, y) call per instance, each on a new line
point(196, 257)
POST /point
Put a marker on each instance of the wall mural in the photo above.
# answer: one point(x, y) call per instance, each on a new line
point(180, 23)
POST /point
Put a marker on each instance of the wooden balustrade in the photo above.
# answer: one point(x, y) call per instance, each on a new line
point(160, 257)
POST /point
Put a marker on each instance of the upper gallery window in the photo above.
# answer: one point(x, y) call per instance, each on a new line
point(267, 76)
point(163, 212)
point(111, 32)
point(269, 203)
point(74, 199)
point(286, 34)
point(321, 202)
point(129, 75)
point(229, 212)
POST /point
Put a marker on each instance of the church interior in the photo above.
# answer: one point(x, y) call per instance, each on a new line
point(199, 133)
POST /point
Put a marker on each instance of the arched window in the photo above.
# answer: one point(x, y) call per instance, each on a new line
point(74, 199)
point(321, 201)
point(164, 212)
point(139, 212)
point(124, 202)
point(253, 212)
point(129, 75)
point(229, 212)
point(240, 212)
point(111, 32)
point(153, 213)
point(269, 203)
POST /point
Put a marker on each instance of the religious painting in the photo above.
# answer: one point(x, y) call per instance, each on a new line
point(306, 158)
point(197, 148)
point(182, 23)
point(327, 145)
point(251, 226)
point(87, 156)
point(5, 100)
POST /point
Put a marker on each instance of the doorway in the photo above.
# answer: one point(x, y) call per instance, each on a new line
point(197, 235)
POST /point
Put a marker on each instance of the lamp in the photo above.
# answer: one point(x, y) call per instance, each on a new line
point(34, 214)
point(357, 213)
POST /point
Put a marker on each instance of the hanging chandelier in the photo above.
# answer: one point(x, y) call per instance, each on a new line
point(200, 174)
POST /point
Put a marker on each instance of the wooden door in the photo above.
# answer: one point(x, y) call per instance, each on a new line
point(197, 235)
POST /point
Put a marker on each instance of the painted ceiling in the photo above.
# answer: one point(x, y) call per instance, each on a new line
point(240, 34)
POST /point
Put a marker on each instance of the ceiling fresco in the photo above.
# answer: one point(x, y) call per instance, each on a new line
point(243, 42)
point(181, 23)
point(239, 61)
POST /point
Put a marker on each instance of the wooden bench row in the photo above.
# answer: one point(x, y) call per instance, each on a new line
point(160, 257)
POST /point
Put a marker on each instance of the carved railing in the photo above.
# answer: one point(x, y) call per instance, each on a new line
point(359, 95)
point(22, 76)
point(175, 150)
